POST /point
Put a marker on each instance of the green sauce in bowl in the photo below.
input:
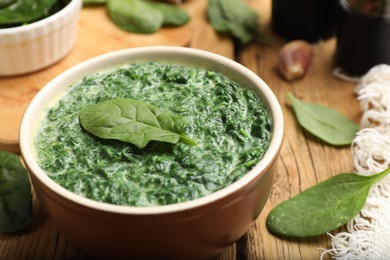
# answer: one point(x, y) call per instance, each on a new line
point(231, 126)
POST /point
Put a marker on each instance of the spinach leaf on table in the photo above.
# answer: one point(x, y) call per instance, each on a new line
point(133, 121)
point(15, 194)
point(234, 17)
point(172, 15)
point(25, 11)
point(144, 16)
point(324, 123)
point(135, 16)
point(323, 207)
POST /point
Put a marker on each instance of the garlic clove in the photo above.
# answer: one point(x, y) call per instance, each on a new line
point(294, 59)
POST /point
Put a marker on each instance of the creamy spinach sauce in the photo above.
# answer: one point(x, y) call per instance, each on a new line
point(232, 129)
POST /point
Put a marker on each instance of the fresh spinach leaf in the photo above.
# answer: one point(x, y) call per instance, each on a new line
point(323, 207)
point(15, 194)
point(173, 15)
point(324, 123)
point(25, 11)
point(135, 16)
point(233, 17)
point(144, 16)
point(133, 121)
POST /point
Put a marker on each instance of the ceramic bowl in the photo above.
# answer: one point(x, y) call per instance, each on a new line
point(34, 46)
point(197, 229)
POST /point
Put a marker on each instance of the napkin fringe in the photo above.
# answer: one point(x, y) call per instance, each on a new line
point(368, 234)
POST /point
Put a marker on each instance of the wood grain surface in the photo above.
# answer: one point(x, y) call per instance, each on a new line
point(304, 160)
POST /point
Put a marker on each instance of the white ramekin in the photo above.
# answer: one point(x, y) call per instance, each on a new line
point(34, 46)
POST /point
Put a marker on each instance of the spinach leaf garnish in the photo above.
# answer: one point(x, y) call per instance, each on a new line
point(15, 194)
point(24, 11)
point(234, 17)
point(323, 207)
point(145, 16)
point(133, 121)
point(324, 123)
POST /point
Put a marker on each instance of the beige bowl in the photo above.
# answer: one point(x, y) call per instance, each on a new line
point(199, 228)
point(34, 46)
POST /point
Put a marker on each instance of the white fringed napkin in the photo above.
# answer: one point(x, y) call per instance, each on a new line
point(368, 234)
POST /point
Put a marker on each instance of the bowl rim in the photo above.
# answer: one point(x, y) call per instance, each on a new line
point(87, 67)
point(42, 22)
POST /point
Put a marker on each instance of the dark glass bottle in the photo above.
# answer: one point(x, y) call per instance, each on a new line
point(309, 20)
point(363, 35)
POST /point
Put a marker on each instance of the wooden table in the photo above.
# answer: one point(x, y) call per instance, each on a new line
point(304, 161)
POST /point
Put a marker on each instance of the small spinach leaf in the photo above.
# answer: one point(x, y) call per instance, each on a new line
point(133, 121)
point(233, 17)
point(323, 207)
point(135, 16)
point(144, 16)
point(326, 124)
point(173, 15)
point(15, 194)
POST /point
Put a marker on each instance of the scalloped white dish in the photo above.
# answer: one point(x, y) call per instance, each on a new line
point(31, 47)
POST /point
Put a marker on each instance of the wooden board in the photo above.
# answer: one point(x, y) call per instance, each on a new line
point(96, 35)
